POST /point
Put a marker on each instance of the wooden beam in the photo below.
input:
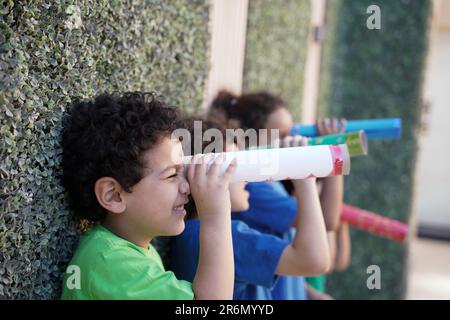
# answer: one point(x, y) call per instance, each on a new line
point(313, 60)
point(228, 25)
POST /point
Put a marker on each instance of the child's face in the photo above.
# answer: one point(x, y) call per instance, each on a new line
point(280, 119)
point(238, 194)
point(155, 205)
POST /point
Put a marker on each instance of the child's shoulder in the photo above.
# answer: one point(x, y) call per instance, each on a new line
point(113, 268)
point(99, 244)
point(99, 238)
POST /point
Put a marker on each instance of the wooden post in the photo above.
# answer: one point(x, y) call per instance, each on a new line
point(313, 59)
point(228, 25)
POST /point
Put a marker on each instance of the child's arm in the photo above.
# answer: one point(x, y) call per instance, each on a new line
point(215, 273)
point(333, 249)
point(308, 254)
point(332, 192)
point(331, 201)
point(343, 247)
point(313, 294)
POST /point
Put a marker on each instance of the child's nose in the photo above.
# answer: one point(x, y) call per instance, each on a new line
point(184, 187)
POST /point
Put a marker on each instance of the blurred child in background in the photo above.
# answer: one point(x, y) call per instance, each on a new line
point(260, 258)
point(272, 209)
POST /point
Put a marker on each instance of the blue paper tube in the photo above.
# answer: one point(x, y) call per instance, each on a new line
point(388, 129)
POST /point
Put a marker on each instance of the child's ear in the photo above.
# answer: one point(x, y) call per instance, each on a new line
point(108, 193)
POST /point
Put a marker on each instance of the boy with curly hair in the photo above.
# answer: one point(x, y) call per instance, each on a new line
point(123, 169)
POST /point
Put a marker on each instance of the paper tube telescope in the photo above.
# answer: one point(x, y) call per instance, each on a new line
point(286, 163)
point(355, 141)
point(374, 223)
point(388, 129)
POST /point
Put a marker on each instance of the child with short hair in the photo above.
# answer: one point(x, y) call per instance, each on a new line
point(260, 258)
point(123, 169)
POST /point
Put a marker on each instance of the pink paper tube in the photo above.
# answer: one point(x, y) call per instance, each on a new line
point(374, 223)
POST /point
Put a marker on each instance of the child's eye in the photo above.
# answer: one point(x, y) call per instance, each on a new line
point(178, 173)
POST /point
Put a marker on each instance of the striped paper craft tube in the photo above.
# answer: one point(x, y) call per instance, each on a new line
point(374, 223)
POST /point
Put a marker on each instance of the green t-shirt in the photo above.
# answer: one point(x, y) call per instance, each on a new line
point(106, 266)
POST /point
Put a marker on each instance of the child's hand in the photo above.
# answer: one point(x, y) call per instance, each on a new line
point(297, 141)
point(294, 141)
point(215, 272)
point(209, 189)
point(327, 126)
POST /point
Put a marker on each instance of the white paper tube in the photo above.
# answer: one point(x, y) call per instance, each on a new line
point(287, 163)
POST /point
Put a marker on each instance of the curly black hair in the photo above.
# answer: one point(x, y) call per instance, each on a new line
point(247, 111)
point(107, 137)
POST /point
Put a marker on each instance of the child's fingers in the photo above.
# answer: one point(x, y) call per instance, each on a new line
point(191, 170)
point(287, 141)
point(320, 127)
point(200, 167)
point(327, 126)
point(343, 125)
point(226, 177)
point(303, 141)
point(215, 166)
point(298, 141)
point(334, 125)
point(193, 167)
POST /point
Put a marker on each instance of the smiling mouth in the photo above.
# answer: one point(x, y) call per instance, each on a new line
point(179, 209)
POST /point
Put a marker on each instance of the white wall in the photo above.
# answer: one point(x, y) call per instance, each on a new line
point(433, 175)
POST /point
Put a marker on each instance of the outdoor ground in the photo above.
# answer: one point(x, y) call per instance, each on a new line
point(429, 273)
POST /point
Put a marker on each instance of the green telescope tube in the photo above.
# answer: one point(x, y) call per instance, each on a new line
point(356, 142)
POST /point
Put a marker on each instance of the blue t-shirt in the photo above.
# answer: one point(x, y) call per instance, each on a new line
point(272, 210)
point(290, 287)
point(256, 257)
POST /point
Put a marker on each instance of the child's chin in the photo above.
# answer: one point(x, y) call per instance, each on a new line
point(179, 229)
